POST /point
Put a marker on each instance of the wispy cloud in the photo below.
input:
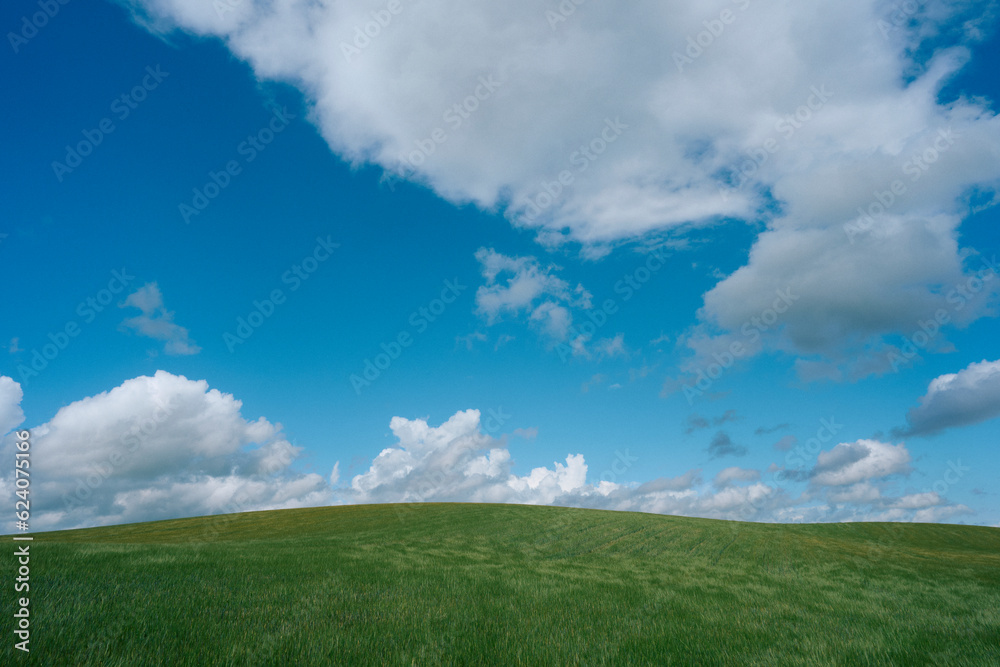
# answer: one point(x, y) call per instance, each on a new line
point(156, 321)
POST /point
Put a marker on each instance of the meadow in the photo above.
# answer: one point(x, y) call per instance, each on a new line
point(474, 584)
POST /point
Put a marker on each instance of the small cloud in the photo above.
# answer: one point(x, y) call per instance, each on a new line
point(958, 399)
point(335, 474)
point(594, 381)
point(768, 430)
point(502, 340)
point(729, 476)
point(471, 339)
point(786, 443)
point(727, 416)
point(156, 321)
point(526, 433)
point(853, 462)
point(639, 373)
point(612, 347)
point(553, 319)
point(14, 347)
point(696, 422)
point(722, 445)
point(859, 494)
point(795, 475)
point(685, 482)
point(671, 385)
point(614, 386)
point(662, 338)
point(519, 285)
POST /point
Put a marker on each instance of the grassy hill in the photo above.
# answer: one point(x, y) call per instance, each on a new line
point(506, 584)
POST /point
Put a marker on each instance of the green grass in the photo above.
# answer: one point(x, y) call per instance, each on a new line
point(506, 584)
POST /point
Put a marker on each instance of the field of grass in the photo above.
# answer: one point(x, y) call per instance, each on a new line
point(505, 584)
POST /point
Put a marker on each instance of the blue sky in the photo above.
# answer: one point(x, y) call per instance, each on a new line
point(316, 145)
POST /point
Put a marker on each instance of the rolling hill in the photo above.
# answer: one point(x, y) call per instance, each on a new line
point(432, 584)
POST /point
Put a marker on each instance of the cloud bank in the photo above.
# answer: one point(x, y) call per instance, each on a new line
point(164, 447)
point(159, 447)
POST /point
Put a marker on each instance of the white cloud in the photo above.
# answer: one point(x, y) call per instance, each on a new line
point(612, 347)
point(457, 462)
point(156, 321)
point(861, 493)
point(728, 476)
point(941, 514)
point(778, 108)
point(860, 461)
point(518, 286)
point(11, 415)
point(958, 399)
point(854, 480)
point(164, 446)
point(918, 501)
point(526, 281)
point(554, 88)
point(161, 447)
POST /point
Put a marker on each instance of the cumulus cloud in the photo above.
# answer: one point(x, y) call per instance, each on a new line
point(855, 481)
point(520, 82)
point(165, 446)
point(608, 126)
point(521, 286)
point(11, 415)
point(957, 399)
point(161, 447)
point(863, 460)
point(457, 462)
point(156, 321)
point(526, 281)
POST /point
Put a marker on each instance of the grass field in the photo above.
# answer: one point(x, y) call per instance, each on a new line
point(506, 584)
